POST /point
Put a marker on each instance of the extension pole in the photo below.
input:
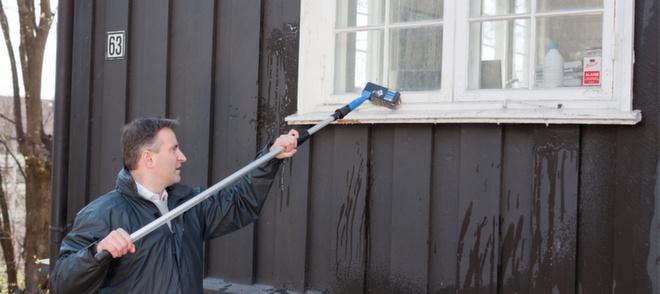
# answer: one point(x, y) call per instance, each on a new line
point(150, 227)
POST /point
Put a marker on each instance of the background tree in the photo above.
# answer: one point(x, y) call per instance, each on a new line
point(33, 143)
point(6, 241)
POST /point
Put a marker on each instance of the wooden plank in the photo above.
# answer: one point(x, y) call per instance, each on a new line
point(96, 99)
point(190, 85)
point(337, 212)
point(61, 125)
point(81, 91)
point(111, 99)
point(443, 228)
point(148, 42)
point(379, 234)
point(410, 208)
point(281, 249)
point(319, 262)
point(234, 127)
point(596, 215)
point(399, 199)
point(291, 220)
point(279, 66)
point(636, 265)
point(554, 209)
point(282, 225)
point(479, 208)
point(516, 208)
point(350, 179)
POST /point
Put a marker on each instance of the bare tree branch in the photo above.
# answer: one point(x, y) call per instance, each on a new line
point(9, 151)
point(33, 42)
point(46, 17)
point(6, 242)
point(18, 114)
point(6, 118)
point(28, 32)
point(32, 19)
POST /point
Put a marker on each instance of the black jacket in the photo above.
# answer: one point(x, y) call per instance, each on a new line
point(164, 261)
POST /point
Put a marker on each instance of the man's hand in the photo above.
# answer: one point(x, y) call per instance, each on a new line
point(118, 243)
point(289, 142)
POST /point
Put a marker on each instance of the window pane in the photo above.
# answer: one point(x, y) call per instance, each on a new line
point(415, 10)
point(351, 13)
point(415, 58)
point(498, 7)
point(554, 5)
point(358, 60)
point(576, 58)
point(499, 54)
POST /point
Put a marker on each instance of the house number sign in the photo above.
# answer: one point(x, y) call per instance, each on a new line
point(115, 45)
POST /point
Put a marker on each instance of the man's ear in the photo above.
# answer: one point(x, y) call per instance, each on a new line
point(147, 158)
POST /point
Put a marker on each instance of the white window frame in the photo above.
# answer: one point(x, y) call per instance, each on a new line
point(454, 103)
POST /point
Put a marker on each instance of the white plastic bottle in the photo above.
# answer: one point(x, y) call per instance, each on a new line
point(553, 67)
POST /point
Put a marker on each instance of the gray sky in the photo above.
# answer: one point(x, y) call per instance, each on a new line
point(48, 78)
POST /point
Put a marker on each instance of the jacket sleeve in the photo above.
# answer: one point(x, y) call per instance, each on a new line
point(76, 270)
point(238, 205)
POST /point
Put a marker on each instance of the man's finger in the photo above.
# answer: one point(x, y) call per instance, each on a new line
point(125, 236)
point(114, 250)
point(294, 134)
point(118, 243)
point(122, 232)
point(291, 144)
point(287, 154)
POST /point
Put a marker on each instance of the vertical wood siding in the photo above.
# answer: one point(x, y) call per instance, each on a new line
point(234, 107)
point(401, 208)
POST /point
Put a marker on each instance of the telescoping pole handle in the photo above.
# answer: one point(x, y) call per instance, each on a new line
point(153, 225)
point(376, 93)
point(338, 114)
point(304, 135)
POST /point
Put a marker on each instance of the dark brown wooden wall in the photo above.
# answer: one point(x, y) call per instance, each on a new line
point(387, 208)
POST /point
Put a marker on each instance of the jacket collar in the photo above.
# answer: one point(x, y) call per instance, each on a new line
point(126, 185)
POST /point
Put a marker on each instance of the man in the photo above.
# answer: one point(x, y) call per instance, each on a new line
point(169, 260)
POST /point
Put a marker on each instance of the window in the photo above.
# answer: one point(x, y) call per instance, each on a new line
point(527, 61)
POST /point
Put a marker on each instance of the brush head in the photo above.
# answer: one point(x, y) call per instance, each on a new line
point(382, 96)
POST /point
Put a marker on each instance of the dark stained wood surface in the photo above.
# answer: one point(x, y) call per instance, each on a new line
point(234, 136)
point(109, 114)
point(148, 38)
point(636, 260)
point(81, 91)
point(479, 208)
point(409, 217)
point(444, 215)
point(387, 208)
point(515, 207)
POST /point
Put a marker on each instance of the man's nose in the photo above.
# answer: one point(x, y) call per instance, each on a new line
point(182, 157)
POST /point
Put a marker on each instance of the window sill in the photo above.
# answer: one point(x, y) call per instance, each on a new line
point(498, 116)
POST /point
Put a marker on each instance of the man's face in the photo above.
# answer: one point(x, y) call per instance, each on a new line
point(169, 158)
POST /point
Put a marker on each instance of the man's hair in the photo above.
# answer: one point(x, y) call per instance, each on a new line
point(140, 134)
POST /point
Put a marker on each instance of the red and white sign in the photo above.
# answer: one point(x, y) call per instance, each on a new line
point(591, 71)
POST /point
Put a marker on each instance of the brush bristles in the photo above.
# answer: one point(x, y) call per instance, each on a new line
point(383, 96)
point(380, 101)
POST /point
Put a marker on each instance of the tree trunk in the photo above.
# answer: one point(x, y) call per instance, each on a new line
point(37, 205)
point(33, 143)
point(37, 185)
point(6, 241)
